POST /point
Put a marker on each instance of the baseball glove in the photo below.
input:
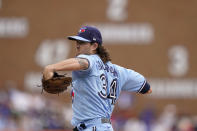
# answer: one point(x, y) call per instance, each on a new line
point(57, 84)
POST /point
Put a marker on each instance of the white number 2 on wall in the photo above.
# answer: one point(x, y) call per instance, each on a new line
point(116, 10)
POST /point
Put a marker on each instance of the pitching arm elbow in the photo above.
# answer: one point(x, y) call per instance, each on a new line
point(146, 89)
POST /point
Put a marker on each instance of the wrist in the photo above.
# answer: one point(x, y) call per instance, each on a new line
point(48, 72)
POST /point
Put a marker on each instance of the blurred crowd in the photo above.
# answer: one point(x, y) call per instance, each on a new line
point(34, 112)
point(147, 120)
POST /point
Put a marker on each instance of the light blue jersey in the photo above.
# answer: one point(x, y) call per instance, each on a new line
point(97, 88)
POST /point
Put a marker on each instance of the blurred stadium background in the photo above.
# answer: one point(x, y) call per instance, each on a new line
point(156, 38)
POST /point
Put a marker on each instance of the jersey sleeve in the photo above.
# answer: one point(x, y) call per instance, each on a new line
point(90, 61)
point(131, 80)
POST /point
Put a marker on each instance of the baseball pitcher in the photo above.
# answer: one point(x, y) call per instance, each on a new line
point(96, 82)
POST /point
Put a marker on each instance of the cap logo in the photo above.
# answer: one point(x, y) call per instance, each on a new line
point(82, 30)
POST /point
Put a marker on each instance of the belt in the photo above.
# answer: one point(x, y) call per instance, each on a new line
point(105, 120)
point(82, 126)
point(95, 121)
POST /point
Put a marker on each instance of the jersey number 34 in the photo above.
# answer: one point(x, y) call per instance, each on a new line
point(108, 93)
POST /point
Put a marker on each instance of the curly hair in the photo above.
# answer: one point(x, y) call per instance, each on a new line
point(103, 53)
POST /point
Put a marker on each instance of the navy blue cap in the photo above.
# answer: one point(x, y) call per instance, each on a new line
point(88, 34)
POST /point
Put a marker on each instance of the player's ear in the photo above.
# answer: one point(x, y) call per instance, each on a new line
point(94, 46)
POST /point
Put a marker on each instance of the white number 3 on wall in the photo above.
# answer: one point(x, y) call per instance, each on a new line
point(178, 56)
